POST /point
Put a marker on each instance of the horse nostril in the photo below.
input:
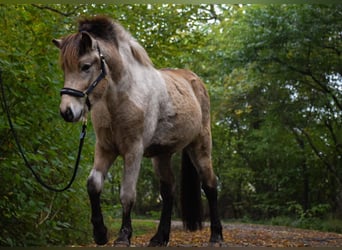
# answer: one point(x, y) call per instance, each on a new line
point(67, 115)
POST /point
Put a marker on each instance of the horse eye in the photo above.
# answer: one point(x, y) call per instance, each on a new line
point(86, 67)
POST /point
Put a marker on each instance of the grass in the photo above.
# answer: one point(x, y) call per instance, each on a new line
point(140, 226)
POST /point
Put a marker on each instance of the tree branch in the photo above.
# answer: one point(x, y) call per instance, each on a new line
point(317, 153)
point(322, 87)
point(66, 14)
point(338, 146)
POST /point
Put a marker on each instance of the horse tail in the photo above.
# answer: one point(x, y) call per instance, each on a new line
point(191, 203)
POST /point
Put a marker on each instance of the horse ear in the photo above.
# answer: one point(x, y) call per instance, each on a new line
point(87, 42)
point(57, 42)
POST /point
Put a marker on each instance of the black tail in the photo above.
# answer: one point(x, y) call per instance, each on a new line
point(190, 195)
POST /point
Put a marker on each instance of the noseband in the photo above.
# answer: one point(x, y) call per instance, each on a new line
point(80, 94)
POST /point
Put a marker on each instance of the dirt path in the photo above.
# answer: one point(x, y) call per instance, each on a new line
point(236, 235)
point(243, 235)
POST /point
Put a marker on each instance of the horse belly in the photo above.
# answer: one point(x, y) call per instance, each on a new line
point(170, 141)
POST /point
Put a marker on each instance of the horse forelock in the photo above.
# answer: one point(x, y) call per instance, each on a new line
point(70, 50)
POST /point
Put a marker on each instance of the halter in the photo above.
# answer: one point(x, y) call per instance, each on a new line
point(80, 94)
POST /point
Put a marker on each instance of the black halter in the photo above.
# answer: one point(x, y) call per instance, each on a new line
point(80, 94)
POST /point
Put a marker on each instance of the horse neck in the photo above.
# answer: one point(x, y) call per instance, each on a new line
point(129, 78)
point(135, 75)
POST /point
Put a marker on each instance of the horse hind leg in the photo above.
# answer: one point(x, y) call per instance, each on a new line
point(199, 153)
point(215, 223)
point(162, 165)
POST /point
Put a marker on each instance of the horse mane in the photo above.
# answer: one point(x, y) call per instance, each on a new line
point(99, 27)
point(106, 29)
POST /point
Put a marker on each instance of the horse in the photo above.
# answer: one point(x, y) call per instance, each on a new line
point(138, 111)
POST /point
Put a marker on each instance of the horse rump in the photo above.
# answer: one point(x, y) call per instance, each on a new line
point(191, 203)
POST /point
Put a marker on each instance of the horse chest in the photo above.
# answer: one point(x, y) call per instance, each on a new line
point(121, 127)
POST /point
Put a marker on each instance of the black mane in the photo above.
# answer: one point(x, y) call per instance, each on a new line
point(99, 26)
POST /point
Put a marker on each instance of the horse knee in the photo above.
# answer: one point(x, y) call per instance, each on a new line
point(95, 182)
point(127, 196)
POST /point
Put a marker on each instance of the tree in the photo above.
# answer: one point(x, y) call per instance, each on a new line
point(283, 101)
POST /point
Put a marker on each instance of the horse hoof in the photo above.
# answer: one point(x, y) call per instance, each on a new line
point(215, 244)
point(216, 240)
point(101, 238)
point(157, 244)
point(101, 241)
point(121, 243)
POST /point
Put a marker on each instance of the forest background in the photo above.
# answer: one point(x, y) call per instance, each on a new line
point(274, 77)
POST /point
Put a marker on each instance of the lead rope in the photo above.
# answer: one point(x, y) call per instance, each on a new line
point(38, 178)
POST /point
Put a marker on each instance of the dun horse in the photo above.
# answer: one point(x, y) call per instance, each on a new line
point(138, 111)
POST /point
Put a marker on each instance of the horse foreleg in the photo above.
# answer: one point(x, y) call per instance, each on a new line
point(96, 178)
point(99, 229)
point(125, 233)
point(128, 195)
point(163, 168)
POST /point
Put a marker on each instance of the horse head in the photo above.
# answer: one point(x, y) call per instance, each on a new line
point(84, 68)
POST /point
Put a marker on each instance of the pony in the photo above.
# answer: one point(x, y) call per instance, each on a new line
point(138, 111)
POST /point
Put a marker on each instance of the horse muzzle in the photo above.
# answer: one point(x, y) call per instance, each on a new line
point(71, 112)
point(67, 115)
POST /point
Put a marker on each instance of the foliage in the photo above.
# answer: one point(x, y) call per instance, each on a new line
point(274, 77)
point(281, 108)
point(31, 215)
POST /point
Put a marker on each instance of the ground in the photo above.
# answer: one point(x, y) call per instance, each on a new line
point(242, 235)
